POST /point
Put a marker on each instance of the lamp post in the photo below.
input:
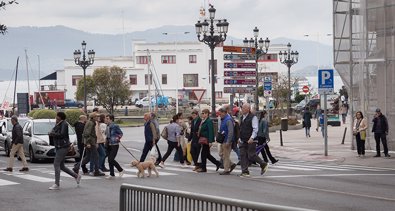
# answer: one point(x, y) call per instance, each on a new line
point(289, 58)
point(84, 63)
point(211, 36)
point(261, 47)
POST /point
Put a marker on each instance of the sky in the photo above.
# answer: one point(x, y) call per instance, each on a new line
point(274, 18)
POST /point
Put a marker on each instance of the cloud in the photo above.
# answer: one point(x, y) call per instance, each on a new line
point(279, 18)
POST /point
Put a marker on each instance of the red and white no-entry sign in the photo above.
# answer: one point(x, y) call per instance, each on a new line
point(305, 89)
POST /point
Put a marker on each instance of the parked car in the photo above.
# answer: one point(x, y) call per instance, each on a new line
point(36, 143)
point(72, 103)
point(6, 133)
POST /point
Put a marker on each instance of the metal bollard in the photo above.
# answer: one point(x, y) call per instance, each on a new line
point(281, 137)
point(344, 134)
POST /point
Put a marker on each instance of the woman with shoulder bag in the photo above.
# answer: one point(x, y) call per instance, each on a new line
point(359, 131)
point(206, 138)
point(60, 136)
point(263, 139)
point(173, 141)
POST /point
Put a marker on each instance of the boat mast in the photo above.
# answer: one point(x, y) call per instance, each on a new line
point(28, 81)
point(16, 78)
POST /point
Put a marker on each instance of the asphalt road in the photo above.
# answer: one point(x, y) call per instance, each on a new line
point(312, 185)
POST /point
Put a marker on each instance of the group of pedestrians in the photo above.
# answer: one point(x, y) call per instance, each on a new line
point(240, 135)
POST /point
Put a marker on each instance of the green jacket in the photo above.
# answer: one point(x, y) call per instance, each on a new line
point(89, 134)
point(207, 130)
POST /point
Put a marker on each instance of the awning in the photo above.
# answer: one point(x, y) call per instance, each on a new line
point(52, 76)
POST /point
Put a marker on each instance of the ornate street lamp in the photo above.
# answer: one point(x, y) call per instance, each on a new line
point(261, 47)
point(84, 63)
point(211, 36)
point(289, 58)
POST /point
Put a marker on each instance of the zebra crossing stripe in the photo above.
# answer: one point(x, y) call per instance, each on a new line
point(6, 182)
point(320, 167)
point(31, 177)
point(161, 172)
point(296, 168)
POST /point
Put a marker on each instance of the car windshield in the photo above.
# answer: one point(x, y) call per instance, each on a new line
point(43, 128)
point(10, 126)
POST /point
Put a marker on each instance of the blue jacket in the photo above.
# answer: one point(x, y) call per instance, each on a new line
point(224, 128)
point(115, 134)
point(148, 132)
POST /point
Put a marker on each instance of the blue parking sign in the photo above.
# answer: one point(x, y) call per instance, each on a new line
point(325, 81)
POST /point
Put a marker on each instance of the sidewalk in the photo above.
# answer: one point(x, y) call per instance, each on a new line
point(297, 146)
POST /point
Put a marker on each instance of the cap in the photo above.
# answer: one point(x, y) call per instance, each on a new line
point(378, 110)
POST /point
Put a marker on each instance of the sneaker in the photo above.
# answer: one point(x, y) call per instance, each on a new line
point(233, 166)
point(78, 179)
point(91, 173)
point(24, 169)
point(196, 168)
point(121, 173)
point(54, 187)
point(245, 174)
point(162, 165)
point(110, 177)
point(264, 168)
point(8, 169)
point(225, 173)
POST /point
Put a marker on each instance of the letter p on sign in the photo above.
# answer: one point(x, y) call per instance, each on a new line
point(325, 81)
point(325, 76)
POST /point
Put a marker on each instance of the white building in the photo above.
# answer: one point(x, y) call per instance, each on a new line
point(185, 65)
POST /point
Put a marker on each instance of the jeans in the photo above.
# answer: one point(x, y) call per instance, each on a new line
point(102, 156)
point(113, 150)
point(195, 151)
point(383, 137)
point(248, 153)
point(265, 152)
point(91, 156)
point(360, 144)
point(59, 164)
point(159, 154)
point(146, 149)
point(173, 145)
point(307, 131)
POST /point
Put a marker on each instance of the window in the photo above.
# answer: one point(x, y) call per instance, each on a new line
point(75, 79)
point(146, 79)
point(168, 59)
point(218, 94)
point(191, 80)
point(164, 78)
point(133, 79)
point(142, 59)
point(192, 58)
point(268, 58)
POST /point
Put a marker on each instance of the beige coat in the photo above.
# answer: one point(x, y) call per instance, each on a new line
point(362, 126)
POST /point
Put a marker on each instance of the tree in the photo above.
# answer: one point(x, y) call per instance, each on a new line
point(108, 85)
point(3, 28)
point(299, 97)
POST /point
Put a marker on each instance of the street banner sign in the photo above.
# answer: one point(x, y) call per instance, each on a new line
point(239, 73)
point(267, 79)
point(239, 57)
point(240, 81)
point(267, 85)
point(237, 49)
point(240, 65)
point(241, 90)
point(325, 81)
point(305, 89)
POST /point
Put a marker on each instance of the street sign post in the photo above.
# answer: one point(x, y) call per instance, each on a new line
point(239, 57)
point(305, 89)
point(241, 90)
point(239, 73)
point(240, 65)
point(238, 49)
point(325, 87)
point(239, 81)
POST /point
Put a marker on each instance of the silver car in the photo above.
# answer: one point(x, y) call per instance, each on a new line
point(36, 142)
point(6, 133)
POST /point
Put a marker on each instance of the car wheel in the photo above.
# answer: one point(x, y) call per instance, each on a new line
point(31, 155)
point(7, 149)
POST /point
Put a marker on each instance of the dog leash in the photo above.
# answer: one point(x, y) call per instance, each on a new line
point(129, 151)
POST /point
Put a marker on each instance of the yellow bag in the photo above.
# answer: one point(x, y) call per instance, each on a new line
point(189, 155)
point(363, 135)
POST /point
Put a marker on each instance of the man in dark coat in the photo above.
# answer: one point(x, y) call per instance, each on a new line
point(17, 145)
point(380, 130)
point(194, 138)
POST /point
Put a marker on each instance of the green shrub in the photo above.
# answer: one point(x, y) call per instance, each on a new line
point(73, 115)
point(44, 114)
point(31, 113)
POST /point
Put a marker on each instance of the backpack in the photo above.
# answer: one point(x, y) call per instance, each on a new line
point(236, 131)
point(164, 133)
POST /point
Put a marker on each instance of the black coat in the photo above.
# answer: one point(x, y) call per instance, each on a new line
point(307, 119)
point(17, 134)
point(194, 130)
point(60, 134)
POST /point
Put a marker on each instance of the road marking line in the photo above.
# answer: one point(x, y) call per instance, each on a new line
point(31, 177)
point(6, 182)
point(326, 190)
point(161, 173)
point(319, 167)
point(322, 175)
point(295, 168)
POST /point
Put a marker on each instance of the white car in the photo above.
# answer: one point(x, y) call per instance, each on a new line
point(144, 102)
point(36, 144)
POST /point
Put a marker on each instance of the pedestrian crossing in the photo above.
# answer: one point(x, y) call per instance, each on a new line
point(45, 173)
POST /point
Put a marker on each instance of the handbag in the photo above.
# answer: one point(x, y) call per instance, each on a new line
point(203, 140)
point(363, 135)
point(71, 151)
point(220, 138)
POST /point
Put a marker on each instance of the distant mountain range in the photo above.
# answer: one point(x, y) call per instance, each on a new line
point(51, 45)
